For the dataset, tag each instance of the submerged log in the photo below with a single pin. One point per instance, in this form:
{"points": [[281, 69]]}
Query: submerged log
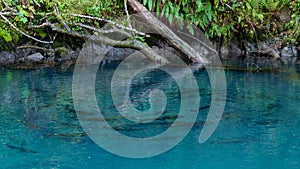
{"points": [[168, 34]]}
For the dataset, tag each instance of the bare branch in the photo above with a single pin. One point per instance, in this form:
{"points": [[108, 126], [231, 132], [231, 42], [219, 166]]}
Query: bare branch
{"points": [[40, 26], [7, 13], [35, 47], [4, 13], [93, 28], [23, 33], [127, 14], [58, 16], [60, 30], [111, 22]]}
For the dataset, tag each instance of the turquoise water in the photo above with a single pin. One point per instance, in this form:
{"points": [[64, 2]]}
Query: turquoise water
{"points": [[259, 128]]}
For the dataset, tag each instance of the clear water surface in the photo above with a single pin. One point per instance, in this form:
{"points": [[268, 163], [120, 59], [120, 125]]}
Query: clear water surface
{"points": [[260, 127]]}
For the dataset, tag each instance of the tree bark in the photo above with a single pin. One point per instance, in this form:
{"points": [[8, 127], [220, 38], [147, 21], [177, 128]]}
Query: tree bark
{"points": [[168, 34]]}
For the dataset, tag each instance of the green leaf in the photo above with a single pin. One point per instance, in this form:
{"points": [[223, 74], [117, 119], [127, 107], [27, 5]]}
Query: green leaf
{"points": [[260, 16], [158, 7], [145, 2], [24, 20], [31, 8], [163, 10], [216, 2], [6, 35], [167, 11], [248, 6], [172, 9], [150, 5], [186, 9]]}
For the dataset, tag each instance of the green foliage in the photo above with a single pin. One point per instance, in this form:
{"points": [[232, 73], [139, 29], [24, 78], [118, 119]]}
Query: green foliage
{"points": [[199, 13], [39, 11], [294, 24], [222, 19], [5, 34], [229, 18]]}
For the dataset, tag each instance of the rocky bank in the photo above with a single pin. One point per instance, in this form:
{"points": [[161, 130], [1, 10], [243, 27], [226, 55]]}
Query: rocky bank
{"points": [[269, 54]]}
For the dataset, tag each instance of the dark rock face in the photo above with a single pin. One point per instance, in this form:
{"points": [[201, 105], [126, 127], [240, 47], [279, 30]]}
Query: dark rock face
{"points": [[7, 58], [118, 54], [230, 51], [94, 53], [289, 55], [268, 53]]}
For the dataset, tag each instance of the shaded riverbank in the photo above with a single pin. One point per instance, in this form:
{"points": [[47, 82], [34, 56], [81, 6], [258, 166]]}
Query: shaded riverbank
{"points": [[234, 54]]}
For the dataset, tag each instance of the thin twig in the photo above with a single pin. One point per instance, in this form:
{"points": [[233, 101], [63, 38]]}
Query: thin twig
{"points": [[45, 17], [23, 33], [36, 3], [94, 29], [223, 3]]}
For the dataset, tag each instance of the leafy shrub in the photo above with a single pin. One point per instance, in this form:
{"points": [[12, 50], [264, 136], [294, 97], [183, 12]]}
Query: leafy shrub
{"points": [[39, 11], [229, 18]]}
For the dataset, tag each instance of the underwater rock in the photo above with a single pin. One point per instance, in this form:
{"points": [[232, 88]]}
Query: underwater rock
{"points": [[21, 149]]}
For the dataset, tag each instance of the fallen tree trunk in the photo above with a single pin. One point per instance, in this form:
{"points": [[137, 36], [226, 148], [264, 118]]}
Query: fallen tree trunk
{"points": [[168, 34]]}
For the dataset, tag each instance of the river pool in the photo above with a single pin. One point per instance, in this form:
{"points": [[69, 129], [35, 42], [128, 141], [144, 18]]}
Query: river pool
{"points": [[260, 126]]}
